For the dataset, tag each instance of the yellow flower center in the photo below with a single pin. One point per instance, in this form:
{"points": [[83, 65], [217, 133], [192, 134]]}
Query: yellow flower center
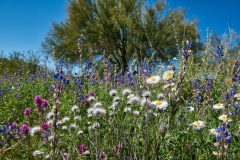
{"points": [[198, 123], [158, 103], [169, 75], [153, 79], [219, 105], [224, 117]]}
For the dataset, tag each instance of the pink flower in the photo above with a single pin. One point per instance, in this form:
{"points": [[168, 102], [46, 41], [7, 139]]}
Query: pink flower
{"points": [[25, 128], [27, 111]]}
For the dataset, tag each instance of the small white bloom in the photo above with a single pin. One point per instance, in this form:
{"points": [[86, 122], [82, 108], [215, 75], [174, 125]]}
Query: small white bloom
{"points": [[80, 132], [72, 127], [89, 115], [223, 117], [145, 102], [116, 99], [87, 152], [160, 96], [65, 119], [159, 105], [50, 122], [97, 104], [91, 98], [35, 130], [64, 128], [134, 100], [50, 138], [113, 92], [136, 113], [168, 75], [76, 118], [126, 92], [213, 131], [198, 125], [95, 125], [99, 112], [130, 96], [153, 80], [74, 108], [146, 94], [50, 115], [127, 110], [37, 153], [218, 106], [90, 110], [189, 109], [59, 123]]}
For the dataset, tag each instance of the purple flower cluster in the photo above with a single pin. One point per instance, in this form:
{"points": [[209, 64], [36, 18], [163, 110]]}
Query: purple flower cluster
{"points": [[25, 129], [82, 148], [45, 126], [223, 135], [40, 103], [27, 112]]}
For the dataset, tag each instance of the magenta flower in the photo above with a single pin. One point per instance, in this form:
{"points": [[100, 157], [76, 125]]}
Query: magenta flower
{"points": [[38, 101], [44, 103], [25, 129], [27, 111], [91, 94], [45, 126], [82, 148]]}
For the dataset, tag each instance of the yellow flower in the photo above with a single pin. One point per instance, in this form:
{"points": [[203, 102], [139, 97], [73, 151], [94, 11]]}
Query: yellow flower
{"points": [[168, 75]]}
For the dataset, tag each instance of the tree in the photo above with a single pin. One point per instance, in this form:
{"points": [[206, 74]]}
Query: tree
{"points": [[120, 30]]}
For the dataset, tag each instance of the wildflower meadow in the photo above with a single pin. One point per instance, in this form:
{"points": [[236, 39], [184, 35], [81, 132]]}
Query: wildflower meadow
{"points": [[187, 108]]}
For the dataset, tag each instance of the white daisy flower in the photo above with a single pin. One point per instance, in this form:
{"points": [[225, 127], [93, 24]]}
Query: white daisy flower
{"points": [[153, 80], [213, 131], [145, 102], [90, 110], [95, 125], [189, 109], [130, 96], [223, 117], [136, 113], [168, 75], [113, 92], [76, 118], [72, 127], [64, 128], [160, 96], [91, 98], [50, 122], [134, 100], [59, 123], [126, 92], [198, 125], [116, 99], [159, 105], [218, 106], [80, 132], [74, 108]]}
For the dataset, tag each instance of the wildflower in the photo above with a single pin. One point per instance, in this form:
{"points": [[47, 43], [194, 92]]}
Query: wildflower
{"points": [[97, 104], [80, 132], [65, 119], [90, 110], [44, 103], [189, 109], [76, 118], [160, 96], [64, 128], [168, 75], [50, 115], [136, 113], [50, 122], [72, 127], [38, 101], [102, 155], [223, 117], [113, 93], [37, 153], [198, 125], [35, 130], [127, 110], [82, 148], [159, 105], [116, 99], [25, 129], [145, 102], [96, 125], [153, 80], [134, 100], [91, 94], [99, 111], [213, 131], [229, 139], [74, 108], [27, 111], [130, 96], [91, 98], [126, 92], [45, 126], [218, 106], [146, 94], [59, 123]]}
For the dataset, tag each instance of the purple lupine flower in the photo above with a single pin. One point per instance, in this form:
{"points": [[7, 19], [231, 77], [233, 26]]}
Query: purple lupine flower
{"points": [[38, 101], [13, 126], [229, 139], [44, 103], [25, 129], [27, 111], [82, 148], [45, 126]]}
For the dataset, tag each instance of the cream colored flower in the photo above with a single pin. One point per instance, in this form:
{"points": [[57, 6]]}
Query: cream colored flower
{"points": [[159, 105], [223, 117], [198, 125], [189, 109], [218, 106], [168, 75], [153, 80], [213, 131]]}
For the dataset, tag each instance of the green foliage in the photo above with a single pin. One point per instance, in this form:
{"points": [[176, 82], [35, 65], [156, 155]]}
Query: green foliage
{"points": [[121, 30]]}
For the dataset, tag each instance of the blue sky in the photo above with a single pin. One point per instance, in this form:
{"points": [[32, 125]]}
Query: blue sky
{"points": [[25, 23]]}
